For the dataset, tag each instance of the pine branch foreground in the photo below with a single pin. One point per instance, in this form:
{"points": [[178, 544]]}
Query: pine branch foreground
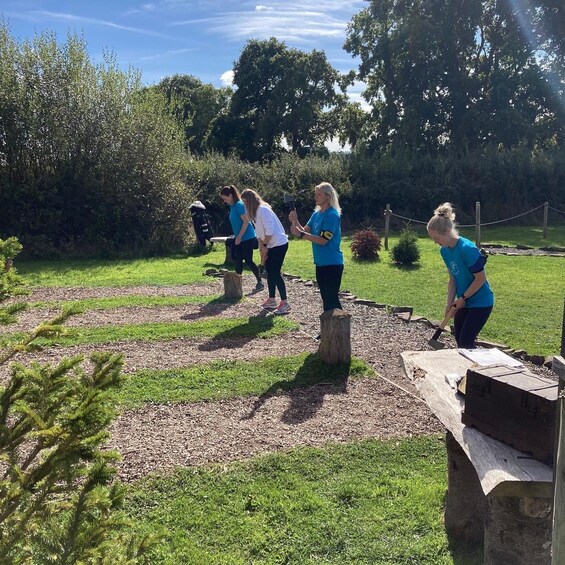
{"points": [[59, 502]]}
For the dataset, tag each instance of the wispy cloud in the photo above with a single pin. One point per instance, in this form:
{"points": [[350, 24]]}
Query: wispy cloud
{"points": [[304, 22], [165, 54], [72, 18]]}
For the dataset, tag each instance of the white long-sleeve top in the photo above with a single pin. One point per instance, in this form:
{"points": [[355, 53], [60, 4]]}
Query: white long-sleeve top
{"points": [[267, 223]]}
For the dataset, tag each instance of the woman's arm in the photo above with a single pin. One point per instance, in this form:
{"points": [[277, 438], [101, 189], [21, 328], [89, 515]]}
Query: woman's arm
{"points": [[245, 220], [478, 281]]}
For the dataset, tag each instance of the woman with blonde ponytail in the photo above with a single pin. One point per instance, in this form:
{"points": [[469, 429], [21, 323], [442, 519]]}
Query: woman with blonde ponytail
{"points": [[468, 291]]}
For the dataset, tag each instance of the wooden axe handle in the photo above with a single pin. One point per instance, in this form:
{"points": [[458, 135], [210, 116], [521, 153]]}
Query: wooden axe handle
{"points": [[448, 316]]}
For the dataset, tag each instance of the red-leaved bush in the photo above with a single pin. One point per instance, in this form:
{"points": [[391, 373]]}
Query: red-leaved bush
{"points": [[366, 244]]}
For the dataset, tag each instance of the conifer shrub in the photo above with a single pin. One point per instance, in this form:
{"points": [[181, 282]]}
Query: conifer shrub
{"points": [[59, 502], [406, 250], [366, 244]]}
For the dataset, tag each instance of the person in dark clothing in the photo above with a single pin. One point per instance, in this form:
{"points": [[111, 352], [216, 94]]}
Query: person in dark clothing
{"points": [[201, 222]]}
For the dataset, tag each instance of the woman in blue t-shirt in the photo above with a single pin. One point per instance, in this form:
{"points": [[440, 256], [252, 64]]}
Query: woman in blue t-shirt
{"points": [[468, 291], [324, 231], [245, 237]]}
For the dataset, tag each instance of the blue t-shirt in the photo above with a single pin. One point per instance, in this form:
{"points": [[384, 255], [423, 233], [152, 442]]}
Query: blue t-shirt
{"points": [[462, 261], [236, 211], [326, 224]]}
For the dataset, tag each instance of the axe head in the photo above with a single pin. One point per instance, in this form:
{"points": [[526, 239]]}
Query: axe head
{"points": [[434, 344]]}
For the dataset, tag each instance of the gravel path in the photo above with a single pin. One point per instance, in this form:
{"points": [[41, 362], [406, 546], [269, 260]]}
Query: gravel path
{"points": [[160, 437]]}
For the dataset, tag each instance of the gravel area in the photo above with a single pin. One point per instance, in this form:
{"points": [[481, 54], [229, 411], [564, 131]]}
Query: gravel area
{"points": [[160, 437]]}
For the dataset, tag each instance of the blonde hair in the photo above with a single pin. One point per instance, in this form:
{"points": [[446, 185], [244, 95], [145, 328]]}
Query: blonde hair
{"points": [[252, 201], [443, 220], [330, 191]]}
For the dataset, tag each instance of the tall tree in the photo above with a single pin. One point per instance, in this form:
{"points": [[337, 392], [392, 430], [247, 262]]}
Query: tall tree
{"points": [[459, 73], [196, 106], [282, 93]]}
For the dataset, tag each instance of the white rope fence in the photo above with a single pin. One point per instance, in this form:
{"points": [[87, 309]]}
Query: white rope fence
{"points": [[478, 224]]}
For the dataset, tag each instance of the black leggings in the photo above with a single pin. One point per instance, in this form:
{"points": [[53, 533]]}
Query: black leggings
{"points": [[244, 252], [273, 266], [468, 323], [329, 281]]}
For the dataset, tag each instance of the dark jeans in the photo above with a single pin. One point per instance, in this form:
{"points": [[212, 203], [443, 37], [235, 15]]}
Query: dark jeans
{"points": [[468, 323], [273, 266], [244, 252], [329, 281]]}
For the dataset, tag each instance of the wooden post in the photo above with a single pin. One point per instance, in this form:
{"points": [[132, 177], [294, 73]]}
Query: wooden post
{"points": [[558, 540], [387, 225], [563, 333], [465, 501], [545, 214], [335, 337], [517, 531], [233, 287], [478, 224]]}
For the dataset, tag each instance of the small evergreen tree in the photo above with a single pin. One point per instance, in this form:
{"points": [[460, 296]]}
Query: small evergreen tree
{"points": [[406, 250], [57, 500]]}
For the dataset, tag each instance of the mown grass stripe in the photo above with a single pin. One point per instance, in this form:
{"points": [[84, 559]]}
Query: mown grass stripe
{"points": [[224, 379], [219, 329], [112, 302]]}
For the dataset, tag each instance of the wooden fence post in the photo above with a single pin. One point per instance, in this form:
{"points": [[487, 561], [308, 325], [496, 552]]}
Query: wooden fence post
{"points": [[335, 337], [387, 225], [545, 214], [478, 224], [558, 536]]}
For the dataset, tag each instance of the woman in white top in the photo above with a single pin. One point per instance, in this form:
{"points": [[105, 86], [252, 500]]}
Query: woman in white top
{"points": [[273, 245]]}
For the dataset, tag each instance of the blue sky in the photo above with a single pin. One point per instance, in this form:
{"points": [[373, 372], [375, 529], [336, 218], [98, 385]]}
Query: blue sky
{"points": [[198, 37]]}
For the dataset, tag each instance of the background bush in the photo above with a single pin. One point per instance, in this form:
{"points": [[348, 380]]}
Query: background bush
{"points": [[406, 250], [366, 244]]}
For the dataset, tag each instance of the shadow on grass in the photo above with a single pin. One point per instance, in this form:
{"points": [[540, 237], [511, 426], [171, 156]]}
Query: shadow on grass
{"points": [[238, 336], [312, 382], [211, 308]]}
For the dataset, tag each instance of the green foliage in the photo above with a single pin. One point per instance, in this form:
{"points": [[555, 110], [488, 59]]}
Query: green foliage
{"points": [[458, 74], [406, 251], [196, 106], [57, 500], [88, 162], [365, 244], [281, 92]]}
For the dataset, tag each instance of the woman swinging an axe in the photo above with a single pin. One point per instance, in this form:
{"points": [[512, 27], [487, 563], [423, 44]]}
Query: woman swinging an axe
{"points": [[469, 296]]}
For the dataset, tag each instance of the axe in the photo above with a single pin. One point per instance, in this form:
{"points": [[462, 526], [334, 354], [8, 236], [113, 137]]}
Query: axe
{"points": [[434, 341]]}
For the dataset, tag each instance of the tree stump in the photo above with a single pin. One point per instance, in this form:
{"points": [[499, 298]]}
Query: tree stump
{"points": [[517, 531], [232, 285], [465, 501], [335, 337]]}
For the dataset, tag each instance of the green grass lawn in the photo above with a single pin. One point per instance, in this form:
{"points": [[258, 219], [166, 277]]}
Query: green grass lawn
{"points": [[367, 502], [529, 291], [229, 379]]}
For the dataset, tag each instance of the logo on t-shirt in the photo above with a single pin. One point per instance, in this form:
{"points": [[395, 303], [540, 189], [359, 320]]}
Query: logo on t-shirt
{"points": [[454, 268]]}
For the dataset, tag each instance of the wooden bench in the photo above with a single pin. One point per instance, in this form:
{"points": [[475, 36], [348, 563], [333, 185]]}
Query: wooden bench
{"points": [[496, 494]]}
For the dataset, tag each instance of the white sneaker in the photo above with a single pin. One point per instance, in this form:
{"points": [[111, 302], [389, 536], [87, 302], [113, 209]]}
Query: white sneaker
{"points": [[282, 308], [269, 304]]}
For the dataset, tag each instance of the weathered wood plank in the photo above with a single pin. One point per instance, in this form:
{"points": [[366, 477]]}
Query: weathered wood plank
{"points": [[502, 470], [558, 554]]}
